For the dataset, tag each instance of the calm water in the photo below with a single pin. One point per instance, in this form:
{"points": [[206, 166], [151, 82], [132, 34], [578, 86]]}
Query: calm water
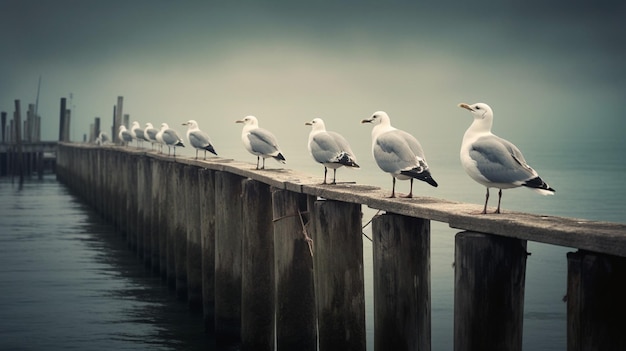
{"points": [[68, 281]]}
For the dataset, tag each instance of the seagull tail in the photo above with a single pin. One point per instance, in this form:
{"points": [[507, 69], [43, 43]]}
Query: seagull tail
{"points": [[179, 143], [423, 176], [537, 184], [280, 158], [345, 159], [210, 149]]}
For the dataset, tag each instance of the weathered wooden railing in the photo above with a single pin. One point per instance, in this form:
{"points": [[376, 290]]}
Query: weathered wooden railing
{"points": [[232, 239]]}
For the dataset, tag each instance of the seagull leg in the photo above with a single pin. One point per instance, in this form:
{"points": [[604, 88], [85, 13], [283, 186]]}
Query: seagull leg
{"points": [[499, 199], [411, 192], [205, 154], [325, 173], [257, 162], [334, 176], [393, 188], [263, 167], [486, 200]]}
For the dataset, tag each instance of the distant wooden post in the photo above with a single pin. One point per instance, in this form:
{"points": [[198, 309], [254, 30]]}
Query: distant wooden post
{"points": [[295, 297], [96, 127], [118, 110], [228, 260], [595, 301], [62, 116], [3, 122], [18, 143], [66, 126], [206, 189], [336, 231], [402, 301], [194, 239], [488, 292], [258, 288]]}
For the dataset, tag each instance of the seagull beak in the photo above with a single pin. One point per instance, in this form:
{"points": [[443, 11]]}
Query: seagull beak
{"points": [[308, 124], [466, 106], [366, 121], [239, 121]]}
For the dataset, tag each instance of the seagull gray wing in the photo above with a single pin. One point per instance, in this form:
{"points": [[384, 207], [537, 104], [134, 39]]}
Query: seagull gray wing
{"points": [[500, 161], [262, 141], [393, 153], [139, 133], [127, 136], [325, 148], [199, 139], [170, 136], [152, 132]]}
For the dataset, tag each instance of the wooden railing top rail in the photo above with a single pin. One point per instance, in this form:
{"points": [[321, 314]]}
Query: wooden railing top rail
{"points": [[597, 236]]}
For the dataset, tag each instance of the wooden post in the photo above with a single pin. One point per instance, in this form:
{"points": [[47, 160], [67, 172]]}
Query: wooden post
{"points": [[207, 227], [141, 183], [171, 201], [66, 126], [489, 292], [402, 303], [194, 239], [3, 123], [595, 301], [336, 233], [18, 143], [164, 215], [155, 210], [228, 234], [117, 122], [62, 119], [180, 234], [258, 289], [295, 297]]}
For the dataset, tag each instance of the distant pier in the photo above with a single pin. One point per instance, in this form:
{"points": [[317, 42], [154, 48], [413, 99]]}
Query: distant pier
{"points": [[275, 260]]}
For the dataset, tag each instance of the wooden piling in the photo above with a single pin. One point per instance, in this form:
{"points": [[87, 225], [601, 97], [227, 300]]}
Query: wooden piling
{"points": [[206, 188], [18, 143], [155, 210], [62, 119], [180, 234], [295, 298], [595, 301], [336, 232], [171, 201], [488, 292], [402, 303], [228, 259], [258, 289], [194, 239]]}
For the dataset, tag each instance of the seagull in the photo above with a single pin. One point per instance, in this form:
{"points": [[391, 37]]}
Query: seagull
{"points": [[137, 132], [124, 135], [198, 139], [169, 137], [259, 141], [102, 139], [329, 148], [493, 161], [398, 152], [150, 133]]}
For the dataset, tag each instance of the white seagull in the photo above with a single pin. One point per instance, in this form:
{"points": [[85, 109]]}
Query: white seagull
{"points": [[198, 139], [137, 133], [150, 133], [398, 152], [124, 135], [259, 141], [493, 161], [329, 148], [169, 137]]}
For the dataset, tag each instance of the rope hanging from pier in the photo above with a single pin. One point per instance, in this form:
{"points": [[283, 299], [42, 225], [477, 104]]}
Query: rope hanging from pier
{"points": [[307, 238]]}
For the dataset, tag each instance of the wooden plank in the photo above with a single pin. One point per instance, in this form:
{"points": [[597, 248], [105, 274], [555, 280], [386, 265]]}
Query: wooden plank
{"points": [[206, 190], [402, 303], [295, 309], [228, 260], [336, 231], [180, 230], [258, 288], [488, 292], [194, 239]]}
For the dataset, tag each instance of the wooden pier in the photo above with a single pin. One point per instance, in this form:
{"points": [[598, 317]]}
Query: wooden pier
{"points": [[275, 260]]}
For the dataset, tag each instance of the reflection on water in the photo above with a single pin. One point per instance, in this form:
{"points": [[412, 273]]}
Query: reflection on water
{"points": [[68, 281]]}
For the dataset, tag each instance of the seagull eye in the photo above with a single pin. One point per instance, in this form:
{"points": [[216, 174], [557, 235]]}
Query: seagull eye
{"points": [[478, 107]]}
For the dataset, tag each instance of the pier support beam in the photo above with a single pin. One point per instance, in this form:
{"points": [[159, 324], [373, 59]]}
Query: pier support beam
{"points": [[206, 186], [295, 298], [402, 303], [489, 292], [258, 289], [228, 236], [338, 258], [194, 240], [595, 302], [180, 233]]}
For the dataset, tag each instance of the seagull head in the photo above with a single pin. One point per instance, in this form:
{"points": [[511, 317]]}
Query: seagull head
{"points": [[479, 110], [149, 125], [135, 124], [122, 127], [191, 124], [249, 121], [164, 126], [379, 117], [316, 124]]}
